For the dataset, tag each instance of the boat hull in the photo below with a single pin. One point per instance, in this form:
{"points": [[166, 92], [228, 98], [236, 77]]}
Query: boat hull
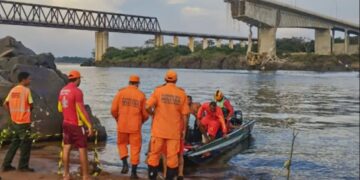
{"points": [[219, 146]]}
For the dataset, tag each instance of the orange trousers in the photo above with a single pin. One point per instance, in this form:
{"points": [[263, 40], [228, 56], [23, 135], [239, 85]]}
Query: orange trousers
{"points": [[134, 139], [156, 149]]}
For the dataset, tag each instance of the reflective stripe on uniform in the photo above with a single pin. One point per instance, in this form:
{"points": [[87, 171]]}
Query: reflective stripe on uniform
{"points": [[19, 100], [21, 109]]}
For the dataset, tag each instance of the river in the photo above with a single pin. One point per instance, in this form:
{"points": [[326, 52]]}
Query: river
{"points": [[323, 106]]}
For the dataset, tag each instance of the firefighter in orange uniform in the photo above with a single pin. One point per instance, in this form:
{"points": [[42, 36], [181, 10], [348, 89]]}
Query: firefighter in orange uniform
{"points": [[19, 104], [168, 104], [211, 118], [128, 109]]}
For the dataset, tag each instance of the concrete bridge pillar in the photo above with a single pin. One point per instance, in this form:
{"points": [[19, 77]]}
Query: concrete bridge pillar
{"points": [[191, 44], [218, 43], [231, 44], [332, 45], [323, 42], [346, 42], [176, 41], [159, 40], [205, 43], [267, 40], [101, 44], [354, 47]]}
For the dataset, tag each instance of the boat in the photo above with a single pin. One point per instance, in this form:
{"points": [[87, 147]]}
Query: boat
{"points": [[197, 153]]}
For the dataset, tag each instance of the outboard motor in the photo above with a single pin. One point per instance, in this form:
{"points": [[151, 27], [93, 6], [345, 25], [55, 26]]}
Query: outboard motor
{"points": [[237, 119]]}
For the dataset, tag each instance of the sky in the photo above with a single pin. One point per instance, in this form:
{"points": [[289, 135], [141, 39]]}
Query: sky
{"points": [[200, 16]]}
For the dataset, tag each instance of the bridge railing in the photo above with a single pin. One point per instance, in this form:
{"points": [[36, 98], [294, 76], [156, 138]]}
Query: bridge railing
{"points": [[71, 18]]}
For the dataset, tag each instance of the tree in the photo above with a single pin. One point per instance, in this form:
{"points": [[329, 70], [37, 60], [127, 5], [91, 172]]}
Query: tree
{"points": [[93, 53]]}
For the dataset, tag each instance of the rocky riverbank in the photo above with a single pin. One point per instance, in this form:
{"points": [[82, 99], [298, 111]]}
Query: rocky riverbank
{"points": [[223, 58], [47, 82]]}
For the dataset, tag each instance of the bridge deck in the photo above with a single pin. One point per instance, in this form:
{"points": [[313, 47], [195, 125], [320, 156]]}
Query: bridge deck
{"points": [[312, 14]]}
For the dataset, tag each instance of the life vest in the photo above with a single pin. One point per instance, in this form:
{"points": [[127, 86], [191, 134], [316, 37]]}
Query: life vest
{"points": [[221, 103], [19, 100]]}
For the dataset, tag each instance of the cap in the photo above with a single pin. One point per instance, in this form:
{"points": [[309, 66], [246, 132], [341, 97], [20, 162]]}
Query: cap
{"points": [[74, 74], [171, 76], [134, 78]]}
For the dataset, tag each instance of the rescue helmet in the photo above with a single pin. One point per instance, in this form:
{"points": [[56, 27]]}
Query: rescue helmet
{"points": [[218, 95]]}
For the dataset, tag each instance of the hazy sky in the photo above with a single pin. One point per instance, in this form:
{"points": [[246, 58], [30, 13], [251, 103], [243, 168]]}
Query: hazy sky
{"points": [[204, 16]]}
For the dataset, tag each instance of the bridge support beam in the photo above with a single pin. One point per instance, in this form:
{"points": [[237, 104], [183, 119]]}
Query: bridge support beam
{"points": [[205, 43], [191, 44], [354, 46], [346, 42], [323, 42], [176, 41], [101, 44], [159, 40], [231, 44], [267, 40], [218, 43]]}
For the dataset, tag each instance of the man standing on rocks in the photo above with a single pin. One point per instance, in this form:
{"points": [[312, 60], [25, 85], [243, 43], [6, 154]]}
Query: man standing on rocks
{"points": [[71, 104], [128, 109], [19, 104], [168, 104]]}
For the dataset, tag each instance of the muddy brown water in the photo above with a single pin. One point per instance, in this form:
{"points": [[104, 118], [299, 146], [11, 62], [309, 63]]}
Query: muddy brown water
{"points": [[324, 106]]}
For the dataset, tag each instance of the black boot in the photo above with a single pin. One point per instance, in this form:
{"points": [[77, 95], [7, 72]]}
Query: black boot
{"points": [[171, 173], [134, 172], [152, 172], [125, 168]]}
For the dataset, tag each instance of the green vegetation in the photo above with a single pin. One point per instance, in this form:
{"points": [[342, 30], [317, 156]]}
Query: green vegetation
{"points": [[294, 45], [297, 53], [147, 54], [167, 52]]}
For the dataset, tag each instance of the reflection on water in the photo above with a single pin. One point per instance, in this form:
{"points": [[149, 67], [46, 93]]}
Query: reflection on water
{"points": [[324, 106]]}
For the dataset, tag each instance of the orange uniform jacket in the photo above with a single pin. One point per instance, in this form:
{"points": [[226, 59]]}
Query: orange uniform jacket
{"points": [[170, 104], [128, 107], [215, 116], [19, 101]]}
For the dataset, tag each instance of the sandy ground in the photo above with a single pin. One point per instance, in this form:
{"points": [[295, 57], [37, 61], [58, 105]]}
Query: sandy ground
{"points": [[44, 158]]}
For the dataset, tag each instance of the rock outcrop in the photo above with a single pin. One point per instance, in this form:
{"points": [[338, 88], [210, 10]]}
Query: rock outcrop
{"points": [[46, 84]]}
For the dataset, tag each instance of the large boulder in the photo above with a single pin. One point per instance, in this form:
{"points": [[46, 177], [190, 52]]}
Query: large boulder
{"points": [[46, 84], [9, 47]]}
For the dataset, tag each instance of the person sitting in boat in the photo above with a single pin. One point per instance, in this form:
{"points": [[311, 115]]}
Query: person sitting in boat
{"points": [[226, 107], [211, 118]]}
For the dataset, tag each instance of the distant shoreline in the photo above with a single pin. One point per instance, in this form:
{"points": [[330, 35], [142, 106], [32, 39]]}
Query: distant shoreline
{"points": [[168, 56], [272, 67], [345, 63]]}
